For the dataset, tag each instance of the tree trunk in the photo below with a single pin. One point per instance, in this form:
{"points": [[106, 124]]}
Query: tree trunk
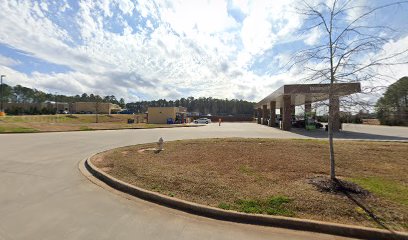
{"points": [[331, 102], [331, 147]]}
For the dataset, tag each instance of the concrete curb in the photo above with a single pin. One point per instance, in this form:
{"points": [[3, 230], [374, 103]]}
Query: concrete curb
{"points": [[256, 219]]}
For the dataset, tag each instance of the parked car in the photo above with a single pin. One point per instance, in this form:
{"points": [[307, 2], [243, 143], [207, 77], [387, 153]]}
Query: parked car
{"points": [[126, 111], [278, 119], [202, 121], [302, 124], [299, 124]]}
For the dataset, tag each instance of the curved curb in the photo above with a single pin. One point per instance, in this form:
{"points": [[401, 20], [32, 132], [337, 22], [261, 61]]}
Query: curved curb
{"points": [[255, 219]]}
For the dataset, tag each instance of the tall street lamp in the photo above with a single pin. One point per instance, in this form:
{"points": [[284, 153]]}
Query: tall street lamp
{"points": [[56, 103], [1, 87]]}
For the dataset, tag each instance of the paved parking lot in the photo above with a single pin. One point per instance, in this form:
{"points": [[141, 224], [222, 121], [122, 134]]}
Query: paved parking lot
{"points": [[44, 196], [350, 131]]}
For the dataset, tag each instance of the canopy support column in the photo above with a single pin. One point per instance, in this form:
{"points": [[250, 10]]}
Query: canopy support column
{"points": [[287, 113], [272, 105], [265, 114], [259, 113]]}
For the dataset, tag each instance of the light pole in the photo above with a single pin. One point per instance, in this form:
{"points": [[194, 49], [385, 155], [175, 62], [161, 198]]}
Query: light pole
{"points": [[56, 103], [1, 86], [56, 107], [96, 110]]}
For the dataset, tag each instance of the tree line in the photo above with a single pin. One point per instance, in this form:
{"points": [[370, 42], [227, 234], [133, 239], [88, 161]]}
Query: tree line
{"points": [[200, 105], [392, 108], [21, 94]]}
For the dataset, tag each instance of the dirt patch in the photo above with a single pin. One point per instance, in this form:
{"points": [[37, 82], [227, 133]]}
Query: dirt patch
{"points": [[337, 186], [147, 150], [106, 169], [273, 176]]}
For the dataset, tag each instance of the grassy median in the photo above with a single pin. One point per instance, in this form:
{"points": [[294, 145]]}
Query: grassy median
{"points": [[267, 176]]}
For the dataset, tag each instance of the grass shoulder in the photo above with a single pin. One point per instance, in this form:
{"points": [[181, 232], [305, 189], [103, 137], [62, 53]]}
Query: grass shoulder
{"points": [[73, 122]]}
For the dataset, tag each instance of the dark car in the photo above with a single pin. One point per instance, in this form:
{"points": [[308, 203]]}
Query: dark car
{"points": [[299, 124], [302, 124], [318, 125], [126, 112]]}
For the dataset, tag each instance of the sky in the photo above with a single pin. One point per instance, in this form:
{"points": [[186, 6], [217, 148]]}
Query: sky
{"points": [[145, 50]]}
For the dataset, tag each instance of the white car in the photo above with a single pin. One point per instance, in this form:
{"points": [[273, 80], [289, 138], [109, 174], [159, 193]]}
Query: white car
{"points": [[202, 121]]}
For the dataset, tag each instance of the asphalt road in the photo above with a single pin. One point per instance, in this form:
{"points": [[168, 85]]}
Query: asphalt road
{"points": [[44, 196]]}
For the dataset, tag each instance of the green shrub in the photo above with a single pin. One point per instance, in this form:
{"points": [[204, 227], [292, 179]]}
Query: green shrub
{"points": [[275, 205]]}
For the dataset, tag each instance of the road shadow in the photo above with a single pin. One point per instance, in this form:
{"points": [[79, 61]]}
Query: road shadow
{"points": [[321, 133]]}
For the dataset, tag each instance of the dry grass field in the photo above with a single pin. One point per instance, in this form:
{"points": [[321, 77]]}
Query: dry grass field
{"points": [[269, 176], [74, 122]]}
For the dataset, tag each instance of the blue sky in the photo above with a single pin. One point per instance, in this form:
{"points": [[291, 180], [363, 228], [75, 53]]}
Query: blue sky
{"points": [[143, 50]]}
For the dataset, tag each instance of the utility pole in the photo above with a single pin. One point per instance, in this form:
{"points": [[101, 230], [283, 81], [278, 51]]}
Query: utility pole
{"points": [[1, 86], [96, 110], [1, 101], [56, 108], [56, 103]]}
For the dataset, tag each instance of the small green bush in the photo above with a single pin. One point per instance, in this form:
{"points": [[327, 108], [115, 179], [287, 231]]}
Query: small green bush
{"points": [[275, 205]]}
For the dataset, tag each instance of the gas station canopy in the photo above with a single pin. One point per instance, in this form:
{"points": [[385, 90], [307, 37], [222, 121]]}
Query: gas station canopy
{"points": [[308, 93]]}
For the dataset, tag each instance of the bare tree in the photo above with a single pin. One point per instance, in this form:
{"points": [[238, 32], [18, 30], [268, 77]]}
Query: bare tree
{"points": [[351, 49]]}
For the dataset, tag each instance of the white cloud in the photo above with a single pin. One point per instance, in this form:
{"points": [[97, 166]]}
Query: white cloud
{"points": [[146, 8], [391, 73], [266, 24], [164, 49], [257, 34], [64, 6], [313, 37], [126, 6], [205, 16], [44, 6], [357, 8], [105, 6], [8, 61]]}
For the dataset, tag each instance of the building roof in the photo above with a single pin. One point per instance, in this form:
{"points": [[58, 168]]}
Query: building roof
{"points": [[301, 93]]}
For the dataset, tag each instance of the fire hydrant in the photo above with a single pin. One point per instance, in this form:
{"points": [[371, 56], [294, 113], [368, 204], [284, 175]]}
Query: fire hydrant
{"points": [[160, 144]]}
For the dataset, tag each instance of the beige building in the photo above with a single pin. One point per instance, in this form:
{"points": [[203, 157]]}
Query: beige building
{"points": [[93, 107], [161, 115], [25, 107]]}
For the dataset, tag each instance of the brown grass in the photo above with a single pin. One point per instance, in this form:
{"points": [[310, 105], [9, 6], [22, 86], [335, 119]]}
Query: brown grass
{"points": [[231, 173], [75, 122], [371, 121]]}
